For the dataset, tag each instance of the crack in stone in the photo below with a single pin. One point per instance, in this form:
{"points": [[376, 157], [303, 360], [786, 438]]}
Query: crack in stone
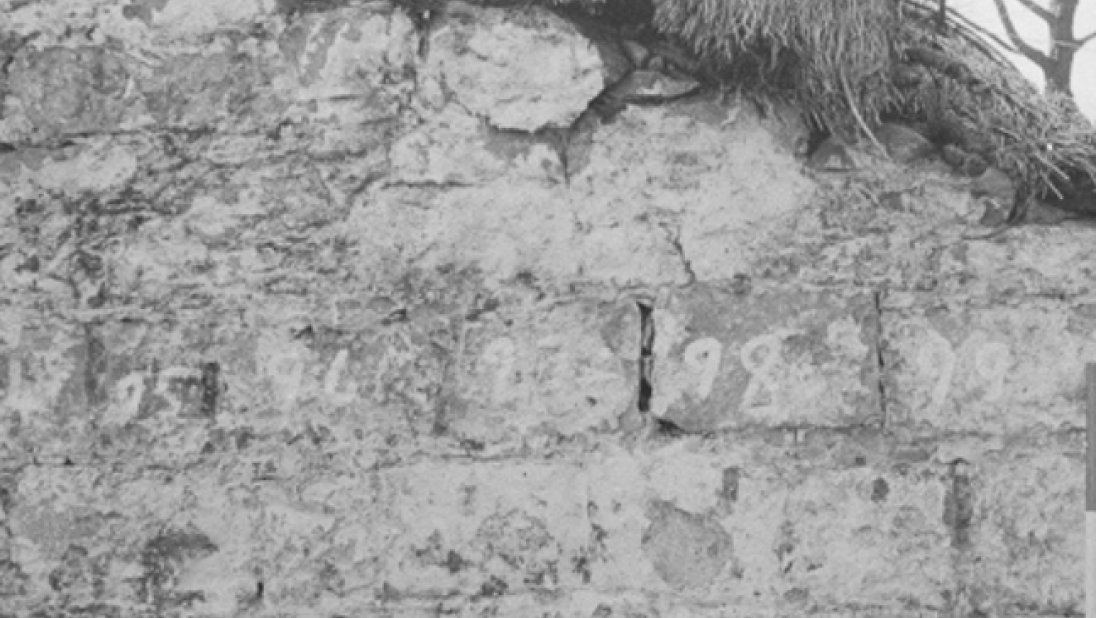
{"points": [[646, 356], [880, 361], [673, 236]]}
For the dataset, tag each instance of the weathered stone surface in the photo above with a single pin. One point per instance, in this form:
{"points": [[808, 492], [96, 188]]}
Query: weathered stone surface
{"points": [[456, 149], [375, 379], [337, 75], [350, 66], [62, 90], [1029, 521], [515, 227], [145, 542], [322, 310], [1027, 261], [847, 534], [193, 17], [765, 356], [891, 231], [687, 551], [996, 369], [545, 370], [464, 528], [684, 174], [196, 91], [488, 64], [237, 533]]}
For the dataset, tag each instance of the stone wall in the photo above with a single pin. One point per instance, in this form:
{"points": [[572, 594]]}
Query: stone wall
{"points": [[346, 309]]}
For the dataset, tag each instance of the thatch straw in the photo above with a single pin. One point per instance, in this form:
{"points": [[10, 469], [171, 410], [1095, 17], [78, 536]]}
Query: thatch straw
{"points": [[847, 63]]}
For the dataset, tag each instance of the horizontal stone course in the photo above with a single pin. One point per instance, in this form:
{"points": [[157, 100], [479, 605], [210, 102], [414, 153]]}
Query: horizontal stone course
{"points": [[688, 518]]}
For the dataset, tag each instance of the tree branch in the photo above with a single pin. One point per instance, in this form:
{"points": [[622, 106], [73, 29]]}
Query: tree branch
{"points": [[1027, 50], [1085, 39], [1041, 11], [964, 22]]}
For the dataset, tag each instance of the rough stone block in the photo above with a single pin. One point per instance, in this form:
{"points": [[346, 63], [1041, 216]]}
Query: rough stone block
{"points": [[349, 67], [455, 148], [1034, 261], [866, 537], [74, 393], [1028, 536], [989, 369], [188, 18], [698, 173], [373, 377], [88, 540], [804, 530], [765, 356], [668, 526], [524, 70], [70, 90], [515, 228], [890, 230], [561, 368], [487, 529]]}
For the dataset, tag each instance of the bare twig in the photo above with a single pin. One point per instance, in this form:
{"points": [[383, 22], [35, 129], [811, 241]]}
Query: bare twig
{"points": [[1026, 49]]}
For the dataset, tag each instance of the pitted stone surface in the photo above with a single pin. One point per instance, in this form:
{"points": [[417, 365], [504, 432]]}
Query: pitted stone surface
{"points": [[770, 356], [333, 309], [687, 551], [486, 66], [991, 369]]}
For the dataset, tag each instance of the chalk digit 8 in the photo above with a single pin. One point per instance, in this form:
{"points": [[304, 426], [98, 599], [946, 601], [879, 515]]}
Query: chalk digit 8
{"points": [[760, 370]]}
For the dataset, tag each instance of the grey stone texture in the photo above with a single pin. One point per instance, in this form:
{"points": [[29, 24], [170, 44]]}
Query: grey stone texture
{"points": [[355, 309]]}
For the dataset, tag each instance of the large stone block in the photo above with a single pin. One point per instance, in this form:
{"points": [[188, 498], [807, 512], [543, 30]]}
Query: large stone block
{"points": [[1028, 537], [87, 540], [716, 181], [955, 367], [563, 368], [70, 90], [516, 228], [524, 70], [728, 358], [753, 523], [1034, 261]]}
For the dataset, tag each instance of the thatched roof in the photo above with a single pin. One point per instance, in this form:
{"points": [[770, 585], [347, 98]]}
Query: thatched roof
{"points": [[850, 63]]}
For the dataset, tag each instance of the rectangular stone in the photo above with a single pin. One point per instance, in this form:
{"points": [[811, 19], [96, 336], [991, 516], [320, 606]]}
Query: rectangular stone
{"points": [[489, 529], [731, 358], [1027, 547], [805, 529], [546, 370], [994, 369], [125, 389], [136, 540], [1029, 260], [223, 538]]}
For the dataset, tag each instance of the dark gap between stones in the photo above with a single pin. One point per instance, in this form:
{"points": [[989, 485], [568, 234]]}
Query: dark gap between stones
{"points": [[880, 359], [646, 359]]}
